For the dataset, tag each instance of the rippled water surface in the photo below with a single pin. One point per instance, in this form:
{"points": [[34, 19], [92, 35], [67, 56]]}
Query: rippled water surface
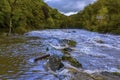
{"points": [[93, 50]]}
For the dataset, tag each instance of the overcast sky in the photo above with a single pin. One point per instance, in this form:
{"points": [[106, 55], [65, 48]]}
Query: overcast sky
{"points": [[68, 7]]}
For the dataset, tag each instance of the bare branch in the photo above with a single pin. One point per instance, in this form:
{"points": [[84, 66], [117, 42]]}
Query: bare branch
{"points": [[41, 57]]}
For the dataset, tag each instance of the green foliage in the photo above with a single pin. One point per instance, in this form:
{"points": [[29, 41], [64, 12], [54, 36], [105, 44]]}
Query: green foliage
{"points": [[101, 16], [4, 10], [19, 16], [20, 30]]}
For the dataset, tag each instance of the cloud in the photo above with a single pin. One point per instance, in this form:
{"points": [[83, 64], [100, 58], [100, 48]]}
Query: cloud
{"points": [[68, 6], [51, 0], [69, 13]]}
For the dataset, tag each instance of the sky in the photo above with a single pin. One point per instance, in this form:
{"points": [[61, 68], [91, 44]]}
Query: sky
{"points": [[68, 7]]}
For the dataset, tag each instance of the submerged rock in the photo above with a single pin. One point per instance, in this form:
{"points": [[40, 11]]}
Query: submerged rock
{"points": [[72, 61], [68, 49], [116, 73], [55, 62], [106, 76], [95, 76], [68, 42], [100, 41], [72, 43], [82, 76]]}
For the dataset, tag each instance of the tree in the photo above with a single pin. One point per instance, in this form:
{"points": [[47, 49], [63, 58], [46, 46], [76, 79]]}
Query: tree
{"points": [[12, 6], [20, 16], [104, 18]]}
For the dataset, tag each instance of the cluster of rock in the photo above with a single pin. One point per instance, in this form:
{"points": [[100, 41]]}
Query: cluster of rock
{"points": [[70, 68]]}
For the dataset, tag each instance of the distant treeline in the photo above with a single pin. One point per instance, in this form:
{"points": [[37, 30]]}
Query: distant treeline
{"points": [[102, 16], [20, 16]]}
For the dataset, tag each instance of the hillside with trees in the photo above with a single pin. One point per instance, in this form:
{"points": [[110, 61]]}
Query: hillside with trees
{"points": [[102, 16], [19, 16]]}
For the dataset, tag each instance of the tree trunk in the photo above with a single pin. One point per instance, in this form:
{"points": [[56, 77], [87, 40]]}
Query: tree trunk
{"points": [[10, 26], [12, 5]]}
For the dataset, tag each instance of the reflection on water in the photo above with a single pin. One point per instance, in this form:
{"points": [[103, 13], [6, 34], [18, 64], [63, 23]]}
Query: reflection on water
{"points": [[15, 53], [11, 66]]}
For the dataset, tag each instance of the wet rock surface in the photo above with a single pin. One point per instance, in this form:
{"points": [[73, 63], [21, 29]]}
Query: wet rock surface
{"points": [[106, 76], [95, 76], [55, 62]]}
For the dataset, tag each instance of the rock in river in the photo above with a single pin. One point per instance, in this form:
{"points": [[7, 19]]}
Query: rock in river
{"points": [[55, 62]]}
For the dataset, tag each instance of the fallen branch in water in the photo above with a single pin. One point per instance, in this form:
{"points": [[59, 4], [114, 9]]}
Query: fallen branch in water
{"points": [[41, 57]]}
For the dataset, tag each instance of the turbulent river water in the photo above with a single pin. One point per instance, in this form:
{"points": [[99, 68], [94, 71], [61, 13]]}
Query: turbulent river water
{"points": [[96, 52]]}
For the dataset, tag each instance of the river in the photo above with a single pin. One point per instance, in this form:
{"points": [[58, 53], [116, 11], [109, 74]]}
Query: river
{"points": [[96, 52]]}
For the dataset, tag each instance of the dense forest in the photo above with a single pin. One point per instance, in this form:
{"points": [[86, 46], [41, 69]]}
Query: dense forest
{"points": [[102, 16], [20, 16]]}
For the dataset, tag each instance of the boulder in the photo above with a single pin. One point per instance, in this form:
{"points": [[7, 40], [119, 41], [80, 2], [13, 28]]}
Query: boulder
{"points": [[72, 61], [55, 62]]}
